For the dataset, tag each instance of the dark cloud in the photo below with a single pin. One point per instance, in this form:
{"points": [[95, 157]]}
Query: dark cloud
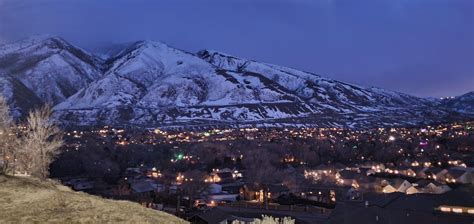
{"points": [[422, 47]]}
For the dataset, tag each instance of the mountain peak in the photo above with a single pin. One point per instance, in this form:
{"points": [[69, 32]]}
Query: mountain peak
{"points": [[153, 57], [211, 53], [43, 37], [39, 38], [48, 42], [44, 69], [147, 44], [34, 41]]}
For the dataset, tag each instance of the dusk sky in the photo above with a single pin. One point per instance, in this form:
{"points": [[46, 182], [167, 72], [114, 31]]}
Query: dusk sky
{"points": [[420, 47]]}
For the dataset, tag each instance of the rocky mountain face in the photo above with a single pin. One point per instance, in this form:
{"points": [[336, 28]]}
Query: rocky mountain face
{"points": [[315, 89], [462, 104], [152, 84], [43, 70]]}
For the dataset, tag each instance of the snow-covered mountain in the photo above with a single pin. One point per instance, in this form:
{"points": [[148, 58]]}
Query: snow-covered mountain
{"points": [[315, 89], [461, 104], [152, 84], [44, 69]]}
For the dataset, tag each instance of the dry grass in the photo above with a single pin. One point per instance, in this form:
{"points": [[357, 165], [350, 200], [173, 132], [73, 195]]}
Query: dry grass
{"points": [[28, 200]]}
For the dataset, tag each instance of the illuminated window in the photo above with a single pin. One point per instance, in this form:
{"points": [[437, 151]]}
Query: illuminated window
{"points": [[445, 209], [457, 210]]}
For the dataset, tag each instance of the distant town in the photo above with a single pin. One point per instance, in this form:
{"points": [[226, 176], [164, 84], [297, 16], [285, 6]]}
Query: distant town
{"points": [[308, 174]]}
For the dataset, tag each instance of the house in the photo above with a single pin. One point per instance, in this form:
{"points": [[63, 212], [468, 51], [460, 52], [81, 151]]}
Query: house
{"points": [[425, 162], [452, 207], [431, 187], [212, 216], [315, 195], [353, 194], [409, 162], [366, 171], [225, 175], [153, 173], [347, 178], [435, 173], [252, 192], [412, 190], [217, 216], [420, 172], [461, 176], [233, 188], [322, 169], [373, 165], [369, 182], [458, 163], [392, 170], [214, 188], [371, 172], [407, 171], [223, 196], [337, 167], [142, 188], [139, 188], [262, 192], [396, 185], [371, 168], [214, 193], [276, 190], [458, 202]]}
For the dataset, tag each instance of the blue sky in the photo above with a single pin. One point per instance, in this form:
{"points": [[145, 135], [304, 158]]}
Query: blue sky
{"points": [[420, 47]]}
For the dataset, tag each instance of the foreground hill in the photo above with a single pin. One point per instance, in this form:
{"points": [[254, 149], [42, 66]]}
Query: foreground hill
{"points": [[27, 200]]}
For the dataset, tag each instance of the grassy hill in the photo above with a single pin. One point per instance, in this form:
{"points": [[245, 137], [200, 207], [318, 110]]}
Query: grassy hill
{"points": [[28, 200]]}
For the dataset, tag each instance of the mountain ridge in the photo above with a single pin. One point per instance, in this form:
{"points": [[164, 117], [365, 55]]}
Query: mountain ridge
{"points": [[150, 83], [49, 68]]}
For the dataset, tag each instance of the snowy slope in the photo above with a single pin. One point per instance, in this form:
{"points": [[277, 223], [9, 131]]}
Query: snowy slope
{"points": [[314, 88], [152, 82], [149, 83], [46, 69], [461, 104]]}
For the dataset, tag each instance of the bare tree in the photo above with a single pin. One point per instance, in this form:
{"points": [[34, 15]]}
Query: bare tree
{"points": [[41, 142], [8, 138]]}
